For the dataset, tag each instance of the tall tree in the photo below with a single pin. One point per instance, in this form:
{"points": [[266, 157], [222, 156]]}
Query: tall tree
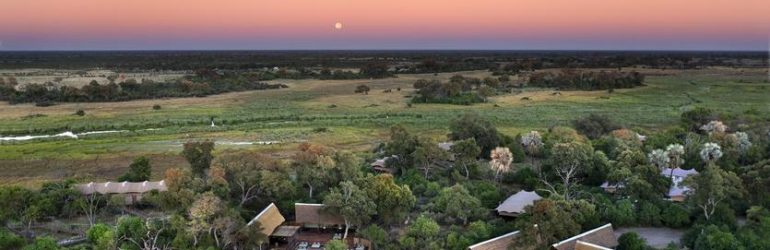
{"points": [[428, 155], [471, 125], [350, 202], [198, 154], [712, 187], [465, 153], [393, 201], [569, 160]]}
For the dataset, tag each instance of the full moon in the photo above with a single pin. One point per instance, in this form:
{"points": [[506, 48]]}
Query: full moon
{"points": [[338, 25]]}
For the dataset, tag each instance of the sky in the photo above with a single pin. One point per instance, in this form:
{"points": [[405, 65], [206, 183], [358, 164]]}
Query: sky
{"points": [[385, 24]]}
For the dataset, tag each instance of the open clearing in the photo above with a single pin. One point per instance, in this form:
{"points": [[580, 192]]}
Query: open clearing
{"points": [[353, 121]]}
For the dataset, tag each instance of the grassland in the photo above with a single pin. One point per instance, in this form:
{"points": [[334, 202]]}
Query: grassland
{"points": [[354, 121]]}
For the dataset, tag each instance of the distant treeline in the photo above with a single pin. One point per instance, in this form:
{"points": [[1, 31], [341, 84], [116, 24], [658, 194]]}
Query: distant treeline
{"points": [[503, 62], [204, 83], [583, 80]]}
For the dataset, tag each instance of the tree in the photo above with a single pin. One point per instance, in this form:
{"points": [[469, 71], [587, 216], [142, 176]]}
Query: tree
{"points": [[465, 153], [363, 89], [713, 238], [532, 142], [401, 144], [675, 153], [421, 234], [711, 152], [198, 154], [242, 173], [428, 155], [713, 186], [350, 202], [393, 201], [631, 241], [139, 170], [569, 160], [91, 205], [545, 223], [375, 234], [457, 202], [313, 164], [501, 161], [471, 125], [659, 158], [202, 214]]}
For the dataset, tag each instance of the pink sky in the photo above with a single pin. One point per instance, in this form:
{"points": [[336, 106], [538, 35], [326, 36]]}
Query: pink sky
{"points": [[385, 24]]}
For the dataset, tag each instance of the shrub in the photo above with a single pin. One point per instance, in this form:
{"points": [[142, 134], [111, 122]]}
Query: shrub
{"points": [[649, 214], [156, 107], [80, 112], [9, 240], [675, 216], [631, 241]]}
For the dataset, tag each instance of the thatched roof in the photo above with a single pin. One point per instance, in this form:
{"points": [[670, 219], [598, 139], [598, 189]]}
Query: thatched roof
{"points": [[270, 218], [498, 243], [121, 187], [312, 214], [588, 246], [515, 203], [602, 236]]}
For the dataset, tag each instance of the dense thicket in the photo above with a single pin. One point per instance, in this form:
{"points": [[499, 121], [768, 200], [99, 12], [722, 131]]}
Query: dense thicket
{"points": [[586, 80]]}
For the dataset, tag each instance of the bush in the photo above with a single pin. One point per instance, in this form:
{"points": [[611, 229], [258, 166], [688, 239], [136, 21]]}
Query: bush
{"points": [[675, 216], [9, 240], [526, 177], [156, 107], [80, 112], [631, 241], [649, 214]]}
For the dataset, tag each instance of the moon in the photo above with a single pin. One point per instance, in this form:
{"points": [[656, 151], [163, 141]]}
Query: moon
{"points": [[338, 26]]}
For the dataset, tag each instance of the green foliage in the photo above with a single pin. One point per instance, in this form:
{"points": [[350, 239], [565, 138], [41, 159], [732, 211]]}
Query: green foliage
{"points": [[465, 153], [527, 178], [649, 214], [102, 237], [43, 243], [139, 170], [713, 186], [335, 245], [421, 234], [377, 235], [471, 125], [198, 154], [713, 238], [631, 241], [675, 216], [9, 240], [594, 125], [457, 202], [554, 223], [350, 202], [693, 119], [393, 202]]}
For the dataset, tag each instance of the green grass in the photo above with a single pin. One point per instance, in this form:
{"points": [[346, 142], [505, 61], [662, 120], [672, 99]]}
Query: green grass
{"points": [[360, 121]]}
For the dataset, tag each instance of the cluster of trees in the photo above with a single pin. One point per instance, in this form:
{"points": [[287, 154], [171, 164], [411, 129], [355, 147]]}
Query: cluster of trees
{"points": [[582, 80], [460, 90], [203, 83]]}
